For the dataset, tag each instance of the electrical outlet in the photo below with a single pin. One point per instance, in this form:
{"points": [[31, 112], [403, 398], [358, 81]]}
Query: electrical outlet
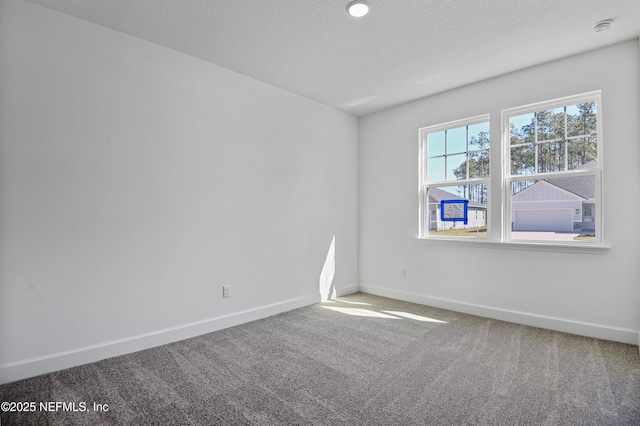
{"points": [[226, 291], [403, 273]]}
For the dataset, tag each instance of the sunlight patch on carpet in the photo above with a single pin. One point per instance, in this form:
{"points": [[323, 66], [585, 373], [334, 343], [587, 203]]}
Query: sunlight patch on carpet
{"points": [[359, 312], [414, 317]]}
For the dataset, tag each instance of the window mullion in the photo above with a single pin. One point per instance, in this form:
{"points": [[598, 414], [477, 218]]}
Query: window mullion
{"points": [[446, 153], [535, 142], [467, 149], [566, 143]]}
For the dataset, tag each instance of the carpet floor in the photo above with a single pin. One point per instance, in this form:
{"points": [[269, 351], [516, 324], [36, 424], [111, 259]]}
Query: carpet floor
{"points": [[357, 360]]}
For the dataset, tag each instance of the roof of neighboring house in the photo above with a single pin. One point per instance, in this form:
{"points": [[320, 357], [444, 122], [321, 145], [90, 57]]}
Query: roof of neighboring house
{"points": [[584, 186], [436, 195], [539, 191]]}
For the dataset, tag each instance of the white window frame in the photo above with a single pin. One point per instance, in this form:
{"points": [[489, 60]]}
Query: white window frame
{"points": [[424, 184], [507, 178], [499, 209]]}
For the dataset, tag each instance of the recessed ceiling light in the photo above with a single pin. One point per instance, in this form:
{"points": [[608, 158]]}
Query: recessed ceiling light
{"points": [[602, 25], [358, 8]]}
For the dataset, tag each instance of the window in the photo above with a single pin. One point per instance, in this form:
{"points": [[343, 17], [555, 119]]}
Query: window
{"points": [[548, 188], [454, 171], [553, 170]]}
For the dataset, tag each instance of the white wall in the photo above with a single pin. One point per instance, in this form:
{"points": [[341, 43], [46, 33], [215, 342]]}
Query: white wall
{"points": [[591, 294], [135, 181]]}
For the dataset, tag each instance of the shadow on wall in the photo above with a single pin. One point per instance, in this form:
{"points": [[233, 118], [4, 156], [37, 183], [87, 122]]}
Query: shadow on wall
{"points": [[326, 286]]}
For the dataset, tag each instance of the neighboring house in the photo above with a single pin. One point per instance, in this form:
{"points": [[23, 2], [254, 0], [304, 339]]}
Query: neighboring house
{"points": [[558, 205], [477, 213]]}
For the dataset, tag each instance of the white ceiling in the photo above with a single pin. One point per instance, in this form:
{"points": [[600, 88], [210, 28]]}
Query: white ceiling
{"points": [[403, 50]]}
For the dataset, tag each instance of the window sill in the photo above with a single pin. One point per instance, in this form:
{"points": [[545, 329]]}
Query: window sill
{"points": [[567, 247]]}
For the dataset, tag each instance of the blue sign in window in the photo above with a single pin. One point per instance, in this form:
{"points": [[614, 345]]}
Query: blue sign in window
{"points": [[454, 211]]}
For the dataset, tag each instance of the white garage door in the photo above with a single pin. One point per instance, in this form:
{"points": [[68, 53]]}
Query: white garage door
{"points": [[557, 220]]}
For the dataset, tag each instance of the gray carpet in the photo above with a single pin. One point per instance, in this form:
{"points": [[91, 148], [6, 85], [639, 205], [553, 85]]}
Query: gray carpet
{"points": [[360, 360]]}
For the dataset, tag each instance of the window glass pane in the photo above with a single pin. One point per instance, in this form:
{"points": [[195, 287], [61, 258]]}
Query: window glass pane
{"points": [[550, 124], [448, 193], [476, 226], [558, 209], [551, 157], [522, 160], [479, 164], [457, 140], [435, 144], [581, 119], [479, 136], [521, 129], [582, 152], [457, 167], [435, 169], [567, 151], [519, 185]]}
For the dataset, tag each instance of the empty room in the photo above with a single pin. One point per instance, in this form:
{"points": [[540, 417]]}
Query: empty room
{"points": [[319, 212]]}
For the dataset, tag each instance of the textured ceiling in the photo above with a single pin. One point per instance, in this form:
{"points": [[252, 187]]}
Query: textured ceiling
{"points": [[403, 50]]}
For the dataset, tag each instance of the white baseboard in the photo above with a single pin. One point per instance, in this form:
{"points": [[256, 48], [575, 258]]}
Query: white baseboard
{"points": [[345, 290], [59, 361], [616, 334]]}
